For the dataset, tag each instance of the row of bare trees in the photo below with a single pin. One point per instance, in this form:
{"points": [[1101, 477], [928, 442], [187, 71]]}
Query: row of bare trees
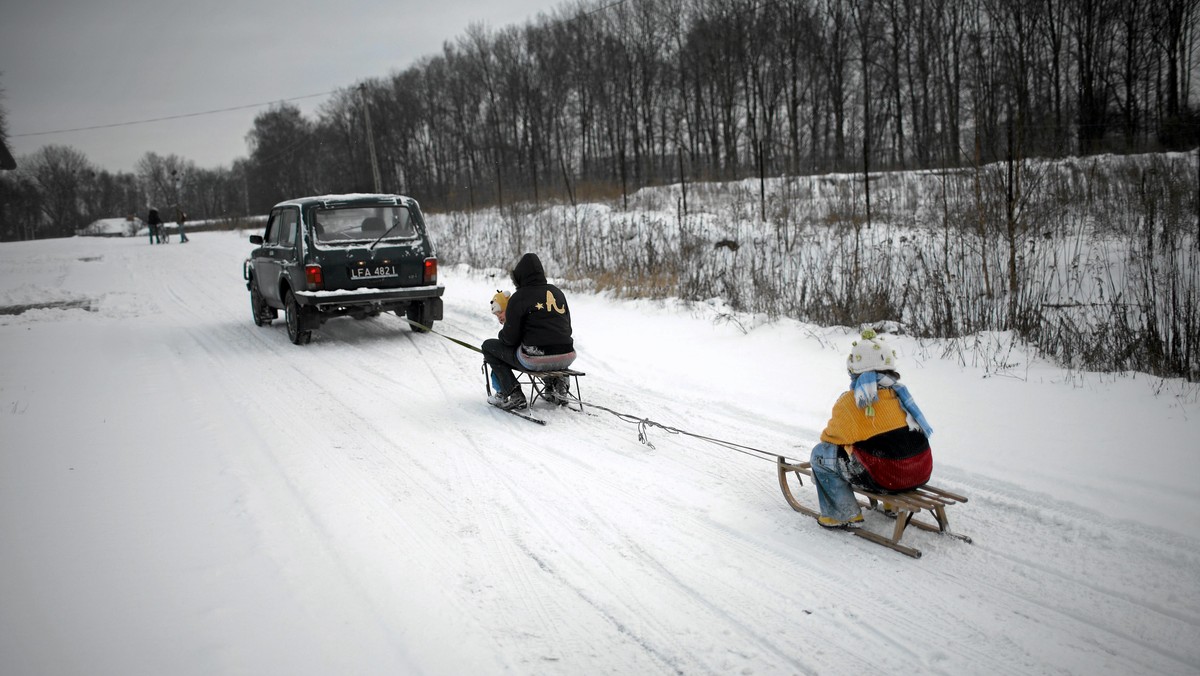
{"points": [[598, 99], [645, 91], [57, 191]]}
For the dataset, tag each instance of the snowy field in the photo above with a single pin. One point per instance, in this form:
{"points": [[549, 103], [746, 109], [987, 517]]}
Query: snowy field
{"points": [[184, 493]]}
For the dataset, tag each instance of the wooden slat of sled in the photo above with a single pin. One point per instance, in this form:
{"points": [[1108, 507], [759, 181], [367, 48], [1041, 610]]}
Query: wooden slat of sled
{"points": [[907, 504]]}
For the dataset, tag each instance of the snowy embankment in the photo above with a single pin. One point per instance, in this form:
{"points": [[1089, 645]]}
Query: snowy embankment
{"points": [[182, 492]]}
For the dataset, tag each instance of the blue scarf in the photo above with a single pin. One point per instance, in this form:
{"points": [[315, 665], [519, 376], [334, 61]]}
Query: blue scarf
{"points": [[866, 392]]}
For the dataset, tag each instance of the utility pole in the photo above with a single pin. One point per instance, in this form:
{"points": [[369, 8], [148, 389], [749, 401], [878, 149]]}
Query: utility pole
{"points": [[362, 90]]}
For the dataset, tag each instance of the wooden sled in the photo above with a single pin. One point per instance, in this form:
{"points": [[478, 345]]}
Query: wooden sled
{"points": [[906, 505], [536, 380]]}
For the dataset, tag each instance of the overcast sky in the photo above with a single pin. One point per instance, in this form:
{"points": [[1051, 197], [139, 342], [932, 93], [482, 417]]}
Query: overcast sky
{"points": [[66, 64]]}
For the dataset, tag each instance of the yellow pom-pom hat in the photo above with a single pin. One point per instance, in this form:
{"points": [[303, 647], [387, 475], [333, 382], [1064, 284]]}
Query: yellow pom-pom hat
{"points": [[500, 302]]}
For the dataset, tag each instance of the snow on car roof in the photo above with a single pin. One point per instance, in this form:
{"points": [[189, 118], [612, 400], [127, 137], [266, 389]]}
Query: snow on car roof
{"points": [[347, 197]]}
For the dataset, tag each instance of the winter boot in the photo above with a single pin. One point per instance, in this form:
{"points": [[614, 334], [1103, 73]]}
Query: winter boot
{"points": [[548, 394], [830, 522], [508, 402], [562, 389], [554, 390]]}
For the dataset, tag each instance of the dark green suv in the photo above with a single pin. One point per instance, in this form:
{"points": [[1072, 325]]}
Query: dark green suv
{"points": [[336, 255]]}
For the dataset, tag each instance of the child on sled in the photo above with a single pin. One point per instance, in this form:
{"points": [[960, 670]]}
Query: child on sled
{"points": [[877, 437]]}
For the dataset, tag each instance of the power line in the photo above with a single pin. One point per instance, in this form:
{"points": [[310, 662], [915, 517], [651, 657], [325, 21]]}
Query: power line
{"points": [[172, 117], [601, 9], [233, 108]]}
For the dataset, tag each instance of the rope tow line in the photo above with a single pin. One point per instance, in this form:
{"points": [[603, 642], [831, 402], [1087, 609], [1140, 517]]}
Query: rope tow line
{"points": [[452, 340], [643, 424]]}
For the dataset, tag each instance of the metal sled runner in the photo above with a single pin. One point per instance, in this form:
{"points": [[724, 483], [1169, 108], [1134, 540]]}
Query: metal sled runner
{"points": [[905, 505]]}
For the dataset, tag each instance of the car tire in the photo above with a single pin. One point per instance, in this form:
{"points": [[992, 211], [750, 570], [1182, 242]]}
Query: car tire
{"points": [[263, 314], [417, 312], [292, 313]]}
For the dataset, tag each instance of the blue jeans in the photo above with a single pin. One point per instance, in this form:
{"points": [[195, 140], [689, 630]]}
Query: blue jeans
{"points": [[832, 478], [502, 359]]}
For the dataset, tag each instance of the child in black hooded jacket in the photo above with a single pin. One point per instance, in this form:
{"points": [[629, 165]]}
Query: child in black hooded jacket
{"points": [[536, 335]]}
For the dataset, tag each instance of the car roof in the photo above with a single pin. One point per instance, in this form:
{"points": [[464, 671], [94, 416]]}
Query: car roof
{"points": [[348, 199]]}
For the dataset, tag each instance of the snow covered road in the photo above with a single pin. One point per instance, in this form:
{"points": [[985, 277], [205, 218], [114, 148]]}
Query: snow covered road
{"points": [[183, 492]]}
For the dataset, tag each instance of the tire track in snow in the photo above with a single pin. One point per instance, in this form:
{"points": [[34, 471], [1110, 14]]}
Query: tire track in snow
{"points": [[214, 343], [346, 422], [1101, 599], [600, 543], [619, 625], [519, 553], [560, 628], [901, 615], [542, 610]]}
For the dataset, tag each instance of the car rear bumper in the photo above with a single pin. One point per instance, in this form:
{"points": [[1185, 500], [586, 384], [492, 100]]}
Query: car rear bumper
{"points": [[368, 297]]}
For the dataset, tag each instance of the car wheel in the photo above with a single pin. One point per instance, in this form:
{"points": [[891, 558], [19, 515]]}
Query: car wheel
{"points": [[292, 313], [262, 313], [416, 312]]}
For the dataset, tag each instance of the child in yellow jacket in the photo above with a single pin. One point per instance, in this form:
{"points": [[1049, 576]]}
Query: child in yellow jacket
{"points": [[877, 437]]}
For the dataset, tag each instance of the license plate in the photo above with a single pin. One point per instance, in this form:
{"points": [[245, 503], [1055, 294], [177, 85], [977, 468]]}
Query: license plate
{"points": [[372, 271]]}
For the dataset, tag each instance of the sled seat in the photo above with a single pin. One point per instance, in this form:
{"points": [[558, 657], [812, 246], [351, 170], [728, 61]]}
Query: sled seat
{"points": [[536, 380], [906, 505]]}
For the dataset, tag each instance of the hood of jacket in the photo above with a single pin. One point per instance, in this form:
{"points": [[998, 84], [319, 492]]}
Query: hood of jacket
{"points": [[528, 271]]}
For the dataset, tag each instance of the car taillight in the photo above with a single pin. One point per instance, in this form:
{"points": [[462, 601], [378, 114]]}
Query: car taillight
{"points": [[312, 275], [430, 271]]}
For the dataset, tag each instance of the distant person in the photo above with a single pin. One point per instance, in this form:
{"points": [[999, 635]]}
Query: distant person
{"points": [[877, 438], [154, 224], [180, 219], [536, 335]]}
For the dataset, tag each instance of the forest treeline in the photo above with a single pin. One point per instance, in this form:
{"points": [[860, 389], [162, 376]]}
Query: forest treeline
{"points": [[595, 100]]}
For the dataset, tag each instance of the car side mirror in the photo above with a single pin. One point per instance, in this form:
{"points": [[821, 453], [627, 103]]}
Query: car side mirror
{"points": [[256, 239]]}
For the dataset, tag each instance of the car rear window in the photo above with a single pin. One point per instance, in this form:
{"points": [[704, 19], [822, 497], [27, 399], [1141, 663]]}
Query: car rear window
{"points": [[358, 224]]}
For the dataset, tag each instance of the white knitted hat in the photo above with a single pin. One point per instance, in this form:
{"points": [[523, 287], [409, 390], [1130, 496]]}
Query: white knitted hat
{"points": [[871, 354]]}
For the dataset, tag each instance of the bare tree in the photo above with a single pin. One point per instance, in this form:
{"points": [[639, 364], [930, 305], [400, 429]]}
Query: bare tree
{"points": [[281, 155], [834, 58], [1091, 23], [60, 173]]}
